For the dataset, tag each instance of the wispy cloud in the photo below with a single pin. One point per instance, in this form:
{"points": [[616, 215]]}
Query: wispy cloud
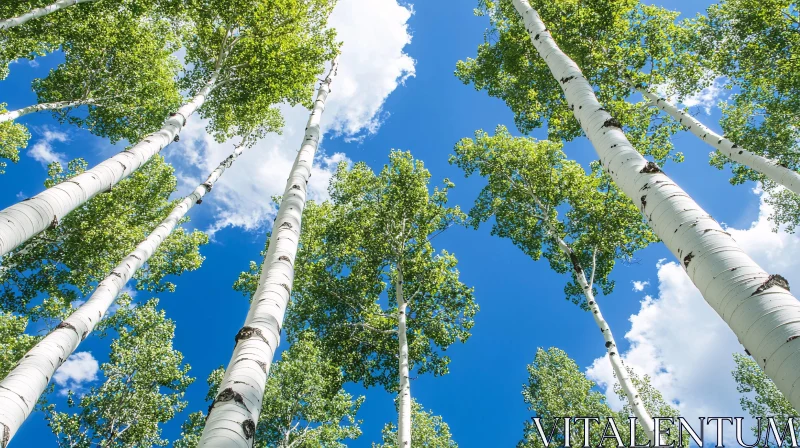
{"points": [[42, 151]]}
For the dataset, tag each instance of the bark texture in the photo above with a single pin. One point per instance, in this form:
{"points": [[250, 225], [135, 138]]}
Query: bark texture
{"points": [[39, 12], [404, 394], [24, 220], [20, 390], [234, 413], [14, 114], [757, 306], [770, 168]]}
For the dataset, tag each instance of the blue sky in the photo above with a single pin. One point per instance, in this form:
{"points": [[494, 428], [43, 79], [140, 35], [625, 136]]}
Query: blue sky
{"points": [[673, 334]]}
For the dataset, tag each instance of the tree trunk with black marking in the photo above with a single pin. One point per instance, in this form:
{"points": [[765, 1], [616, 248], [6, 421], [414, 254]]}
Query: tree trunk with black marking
{"points": [[231, 422], [769, 168], [766, 319], [23, 386]]}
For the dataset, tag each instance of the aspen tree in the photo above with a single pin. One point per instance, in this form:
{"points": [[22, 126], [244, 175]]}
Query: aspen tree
{"points": [[22, 387]]}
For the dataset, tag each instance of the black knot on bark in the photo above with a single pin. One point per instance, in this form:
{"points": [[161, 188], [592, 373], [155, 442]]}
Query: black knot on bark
{"points": [[735, 146], [6, 436], [228, 395], [650, 168], [608, 344], [199, 201], [83, 336], [177, 138], [295, 187], [602, 108], [748, 352], [792, 338], [567, 79], [536, 37], [644, 202], [576, 264], [263, 366], [208, 186], [54, 222], [687, 259], [773, 280], [248, 333], [284, 258], [286, 225], [67, 325], [612, 122], [249, 428]]}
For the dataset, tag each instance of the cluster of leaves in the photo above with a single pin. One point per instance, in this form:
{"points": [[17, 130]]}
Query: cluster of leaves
{"points": [[751, 45], [119, 66], [304, 405], [145, 380], [556, 388], [538, 197], [12, 137], [615, 40], [263, 53], [760, 396], [14, 343], [429, 431], [351, 254], [65, 262]]}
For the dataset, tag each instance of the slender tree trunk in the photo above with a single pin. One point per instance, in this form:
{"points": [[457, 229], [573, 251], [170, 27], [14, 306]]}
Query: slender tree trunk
{"points": [[14, 114], [232, 417], [757, 306], [770, 168], [631, 393], [20, 390], [39, 12], [404, 395], [624, 378], [24, 220]]}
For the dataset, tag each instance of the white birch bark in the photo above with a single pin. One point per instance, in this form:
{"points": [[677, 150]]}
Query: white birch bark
{"points": [[14, 114], [233, 415], [404, 394], [757, 306], [22, 387], [39, 12], [24, 220], [770, 168], [630, 390]]}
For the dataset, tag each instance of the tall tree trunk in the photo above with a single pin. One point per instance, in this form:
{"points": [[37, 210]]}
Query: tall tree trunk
{"points": [[14, 114], [630, 390], [232, 417], [20, 390], [39, 12], [404, 394], [770, 168], [757, 306], [24, 220]]}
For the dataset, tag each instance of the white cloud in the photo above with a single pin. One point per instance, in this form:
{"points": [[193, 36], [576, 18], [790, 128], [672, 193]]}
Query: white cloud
{"points": [[683, 344], [706, 98], [77, 370], [42, 151], [21, 195], [33, 63], [639, 286], [369, 70]]}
